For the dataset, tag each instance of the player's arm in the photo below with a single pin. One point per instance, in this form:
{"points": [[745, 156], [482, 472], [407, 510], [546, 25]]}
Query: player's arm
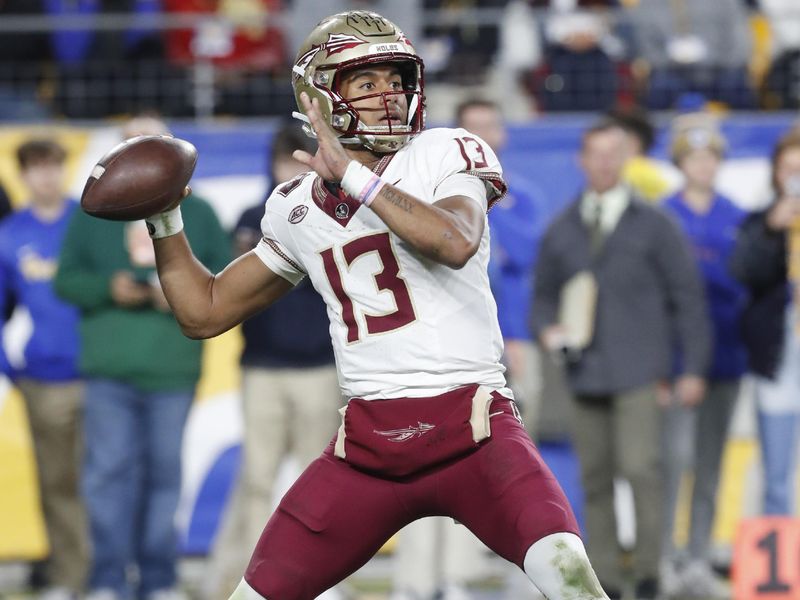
{"points": [[448, 231], [205, 304]]}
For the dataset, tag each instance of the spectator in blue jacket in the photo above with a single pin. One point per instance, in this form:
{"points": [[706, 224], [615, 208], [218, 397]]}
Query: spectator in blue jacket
{"points": [[695, 434], [46, 374], [290, 388]]}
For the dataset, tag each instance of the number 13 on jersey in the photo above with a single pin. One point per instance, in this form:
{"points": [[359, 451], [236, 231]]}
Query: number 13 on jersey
{"points": [[387, 279], [766, 562]]}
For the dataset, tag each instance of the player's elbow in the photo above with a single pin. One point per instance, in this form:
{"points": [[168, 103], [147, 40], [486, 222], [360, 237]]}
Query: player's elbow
{"points": [[194, 332], [460, 253], [455, 263], [197, 330]]}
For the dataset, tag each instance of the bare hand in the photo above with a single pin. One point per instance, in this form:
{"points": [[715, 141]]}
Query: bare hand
{"points": [[186, 191], [690, 389], [330, 162], [554, 338], [127, 292], [781, 216]]}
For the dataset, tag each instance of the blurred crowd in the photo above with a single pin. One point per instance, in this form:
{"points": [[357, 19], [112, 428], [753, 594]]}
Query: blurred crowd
{"points": [[204, 57]]}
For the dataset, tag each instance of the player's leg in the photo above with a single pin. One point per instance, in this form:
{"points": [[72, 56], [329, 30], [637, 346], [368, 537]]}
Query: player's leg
{"points": [[331, 522], [507, 496]]}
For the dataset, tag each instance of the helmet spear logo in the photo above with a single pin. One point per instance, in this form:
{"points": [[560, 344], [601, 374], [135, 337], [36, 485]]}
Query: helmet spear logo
{"points": [[339, 42]]}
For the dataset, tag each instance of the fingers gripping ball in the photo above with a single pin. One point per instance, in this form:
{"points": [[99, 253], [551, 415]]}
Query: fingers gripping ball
{"points": [[139, 178]]}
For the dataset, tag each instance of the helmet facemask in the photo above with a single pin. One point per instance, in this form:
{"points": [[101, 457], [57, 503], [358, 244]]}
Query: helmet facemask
{"points": [[346, 116], [338, 46]]}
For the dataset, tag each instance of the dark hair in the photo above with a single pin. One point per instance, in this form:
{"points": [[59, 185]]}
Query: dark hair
{"points": [[789, 141], [466, 105], [636, 122], [600, 126], [38, 151]]}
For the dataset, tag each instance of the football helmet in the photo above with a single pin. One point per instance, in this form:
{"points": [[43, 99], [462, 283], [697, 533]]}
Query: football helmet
{"points": [[351, 40]]}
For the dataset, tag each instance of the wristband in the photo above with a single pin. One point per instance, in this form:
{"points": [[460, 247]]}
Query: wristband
{"points": [[165, 224], [361, 183]]}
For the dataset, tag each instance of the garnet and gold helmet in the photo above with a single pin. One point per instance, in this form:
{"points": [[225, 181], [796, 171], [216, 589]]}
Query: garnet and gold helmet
{"points": [[352, 40]]}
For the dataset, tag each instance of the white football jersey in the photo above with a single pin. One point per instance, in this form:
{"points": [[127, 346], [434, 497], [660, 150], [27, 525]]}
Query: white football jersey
{"points": [[402, 325]]}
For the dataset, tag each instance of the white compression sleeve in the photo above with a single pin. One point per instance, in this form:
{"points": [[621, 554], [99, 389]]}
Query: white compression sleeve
{"points": [[557, 564]]}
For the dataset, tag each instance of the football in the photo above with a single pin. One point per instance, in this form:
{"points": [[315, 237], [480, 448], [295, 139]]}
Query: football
{"points": [[139, 178]]}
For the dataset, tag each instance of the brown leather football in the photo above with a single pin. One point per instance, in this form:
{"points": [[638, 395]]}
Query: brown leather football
{"points": [[139, 178]]}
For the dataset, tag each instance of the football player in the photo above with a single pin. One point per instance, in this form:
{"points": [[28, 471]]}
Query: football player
{"points": [[390, 226]]}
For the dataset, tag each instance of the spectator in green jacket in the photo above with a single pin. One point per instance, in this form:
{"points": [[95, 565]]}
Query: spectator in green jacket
{"points": [[140, 374]]}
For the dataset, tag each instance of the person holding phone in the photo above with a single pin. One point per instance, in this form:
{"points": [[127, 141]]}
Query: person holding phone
{"points": [[767, 261]]}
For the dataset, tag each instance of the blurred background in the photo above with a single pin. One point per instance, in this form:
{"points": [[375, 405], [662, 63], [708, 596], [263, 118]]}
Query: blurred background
{"points": [[217, 71]]}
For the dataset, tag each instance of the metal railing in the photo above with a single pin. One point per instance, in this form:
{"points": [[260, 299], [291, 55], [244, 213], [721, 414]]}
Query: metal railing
{"points": [[461, 47]]}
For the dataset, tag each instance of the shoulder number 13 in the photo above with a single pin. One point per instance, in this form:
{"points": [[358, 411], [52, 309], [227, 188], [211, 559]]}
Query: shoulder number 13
{"points": [[387, 279]]}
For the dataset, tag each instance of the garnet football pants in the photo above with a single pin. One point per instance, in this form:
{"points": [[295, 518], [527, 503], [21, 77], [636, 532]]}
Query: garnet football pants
{"points": [[335, 518]]}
